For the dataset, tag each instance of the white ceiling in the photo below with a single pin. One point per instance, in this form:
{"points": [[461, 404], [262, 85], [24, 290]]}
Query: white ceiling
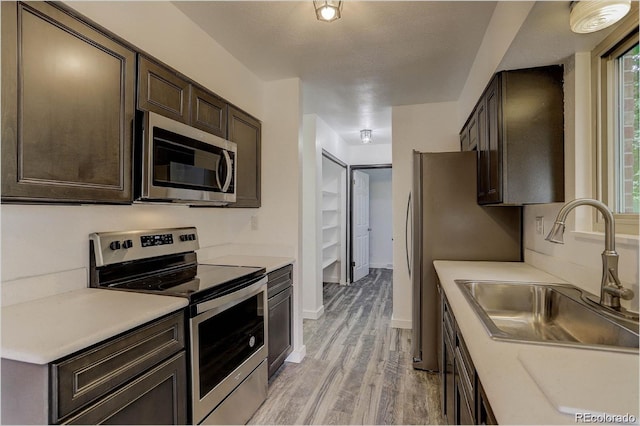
{"points": [[379, 54]]}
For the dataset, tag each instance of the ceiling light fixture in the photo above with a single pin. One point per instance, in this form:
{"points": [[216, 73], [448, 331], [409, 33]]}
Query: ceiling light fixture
{"points": [[365, 135], [327, 10], [588, 16]]}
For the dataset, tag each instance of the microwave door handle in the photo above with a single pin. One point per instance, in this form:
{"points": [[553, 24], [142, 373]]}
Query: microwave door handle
{"points": [[227, 181]]}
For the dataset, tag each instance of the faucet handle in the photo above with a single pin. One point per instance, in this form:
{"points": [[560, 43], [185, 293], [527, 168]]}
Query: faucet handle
{"points": [[621, 292], [626, 294]]}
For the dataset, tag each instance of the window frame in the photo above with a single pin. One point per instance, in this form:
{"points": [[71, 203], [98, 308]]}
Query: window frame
{"points": [[605, 127]]}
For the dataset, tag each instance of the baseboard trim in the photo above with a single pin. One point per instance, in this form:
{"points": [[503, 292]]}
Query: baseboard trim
{"points": [[399, 323], [298, 355], [381, 266], [314, 315]]}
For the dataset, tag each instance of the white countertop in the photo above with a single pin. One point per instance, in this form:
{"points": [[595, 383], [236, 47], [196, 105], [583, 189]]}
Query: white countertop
{"points": [[535, 384], [271, 263], [46, 329]]}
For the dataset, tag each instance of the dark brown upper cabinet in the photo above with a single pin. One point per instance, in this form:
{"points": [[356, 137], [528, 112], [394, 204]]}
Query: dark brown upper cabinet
{"points": [[68, 100], [168, 93], [520, 137], [208, 112], [162, 91], [469, 135], [245, 131]]}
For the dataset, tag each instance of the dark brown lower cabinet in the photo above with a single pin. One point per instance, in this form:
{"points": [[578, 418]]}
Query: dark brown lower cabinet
{"points": [[139, 377], [156, 397], [485, 414], [448, 384], [464, 401], [280, 305], [464, 414]]}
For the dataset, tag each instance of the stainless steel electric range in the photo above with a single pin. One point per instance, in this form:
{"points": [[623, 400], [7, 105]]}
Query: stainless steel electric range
{"points": [[227, 313]]}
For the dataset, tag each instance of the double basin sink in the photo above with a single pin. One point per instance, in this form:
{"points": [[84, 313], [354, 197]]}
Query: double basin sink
{"points": [[556, 314]]}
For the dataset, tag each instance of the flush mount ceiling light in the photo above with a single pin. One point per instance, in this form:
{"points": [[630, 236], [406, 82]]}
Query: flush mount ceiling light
{"points": [[365, 135], [588, 16], [328, 10]]}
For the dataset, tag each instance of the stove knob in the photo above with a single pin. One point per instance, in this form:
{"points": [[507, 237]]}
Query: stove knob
{"points": [[127, 244], [115, 245], [184, 237]]}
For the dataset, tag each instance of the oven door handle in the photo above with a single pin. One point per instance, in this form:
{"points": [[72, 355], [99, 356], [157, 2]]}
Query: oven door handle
{"points": [[212, 307], [227, 181]]}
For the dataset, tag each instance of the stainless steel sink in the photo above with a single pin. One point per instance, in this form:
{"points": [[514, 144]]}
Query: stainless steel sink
{"points": [[557, 314]]}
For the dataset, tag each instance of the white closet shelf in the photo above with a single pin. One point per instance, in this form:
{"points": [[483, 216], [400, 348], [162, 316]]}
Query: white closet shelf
{"points": [[329, 244], [330, 210], [328, 227], [329, 262], [330, 193]]}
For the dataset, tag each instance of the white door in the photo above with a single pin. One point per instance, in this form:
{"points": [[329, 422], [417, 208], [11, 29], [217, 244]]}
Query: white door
{"points": [[360, 225]]}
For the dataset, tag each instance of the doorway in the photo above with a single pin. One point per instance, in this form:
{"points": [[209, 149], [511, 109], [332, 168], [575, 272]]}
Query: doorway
{"points": [[370, 219]]}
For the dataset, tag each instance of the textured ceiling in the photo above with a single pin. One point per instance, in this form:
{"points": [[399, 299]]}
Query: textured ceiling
{"points": [[545, 38], [380, 54]]}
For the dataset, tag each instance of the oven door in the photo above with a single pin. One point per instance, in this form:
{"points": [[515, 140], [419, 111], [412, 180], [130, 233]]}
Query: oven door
{"points": [[184, 164], [228, 342]]}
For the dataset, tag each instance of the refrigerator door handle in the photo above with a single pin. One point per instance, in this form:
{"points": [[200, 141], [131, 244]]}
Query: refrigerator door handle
{"points": [[406, 234]]}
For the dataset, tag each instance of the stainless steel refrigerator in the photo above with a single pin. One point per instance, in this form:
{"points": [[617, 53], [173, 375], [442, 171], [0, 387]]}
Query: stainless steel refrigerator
{"points": [[446, 223]]}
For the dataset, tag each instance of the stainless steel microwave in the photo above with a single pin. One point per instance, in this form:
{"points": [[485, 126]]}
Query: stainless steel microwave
{"points": [[181, 164]]}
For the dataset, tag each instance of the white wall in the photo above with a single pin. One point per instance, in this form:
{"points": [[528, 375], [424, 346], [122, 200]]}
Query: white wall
{"points": [[312, 305], [578, 260], [47, 239], [505, 23], [380, 218], [163, 31], [425, 128], [362, 155], [62, 231]]}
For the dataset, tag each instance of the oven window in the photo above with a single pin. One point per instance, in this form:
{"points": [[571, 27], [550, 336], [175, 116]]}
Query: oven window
{"points": [[185, 163], [228, 339]]}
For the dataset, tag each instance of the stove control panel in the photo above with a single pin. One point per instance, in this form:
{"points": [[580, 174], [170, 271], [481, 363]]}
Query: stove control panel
{"points": [[156, 240], [115, 247]]}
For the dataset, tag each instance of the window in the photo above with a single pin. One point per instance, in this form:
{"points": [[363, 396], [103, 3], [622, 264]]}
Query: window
{"points": [[616, 71], [627, 142]]}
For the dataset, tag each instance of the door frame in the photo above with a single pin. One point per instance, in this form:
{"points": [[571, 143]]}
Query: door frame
{"points": [[326, 154], [350, 201]]}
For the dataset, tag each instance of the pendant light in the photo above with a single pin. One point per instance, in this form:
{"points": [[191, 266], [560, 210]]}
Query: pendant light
{"points": [[327, 10], [365, 136], [588, 16]]}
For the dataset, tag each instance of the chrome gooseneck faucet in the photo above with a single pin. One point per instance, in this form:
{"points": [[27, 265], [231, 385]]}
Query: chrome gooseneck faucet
{"points": [[611, 290]]}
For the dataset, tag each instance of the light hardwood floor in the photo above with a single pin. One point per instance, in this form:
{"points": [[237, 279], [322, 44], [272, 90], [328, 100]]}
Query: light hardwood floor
{"points": [[357, 369]]}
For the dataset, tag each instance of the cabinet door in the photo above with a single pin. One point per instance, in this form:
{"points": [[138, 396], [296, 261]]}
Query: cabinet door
{"points": [[493, 144], [87, 376], [157, 397], [162, 91], [464, 414], [449, 382], [208, 112], [483, 151], [280, 308], [67, 108], [473, 132], [483, 410], [464, 139], [245, 131]]}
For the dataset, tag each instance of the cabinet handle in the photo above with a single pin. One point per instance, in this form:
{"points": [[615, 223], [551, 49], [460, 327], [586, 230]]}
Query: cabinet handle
{"points": [[227, 181], [406, 234]]}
